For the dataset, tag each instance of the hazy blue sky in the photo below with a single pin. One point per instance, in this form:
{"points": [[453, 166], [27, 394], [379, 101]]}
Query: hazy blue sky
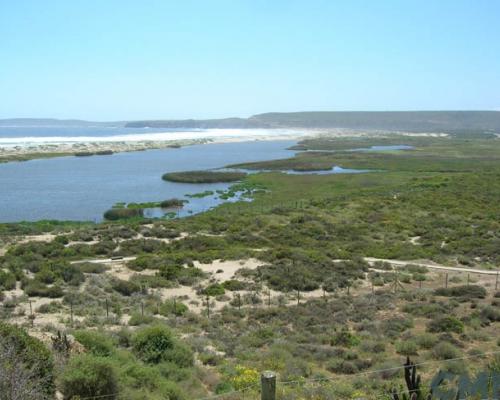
{"points": [[119, 59]]}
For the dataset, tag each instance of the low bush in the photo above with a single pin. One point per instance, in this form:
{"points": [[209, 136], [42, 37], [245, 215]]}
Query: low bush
{"points": [[203, 176], [156, 344], [234, 285], [446, 324], [92, 268], [32, 353], [172, 203], [445, 351], [7, 280], [464, 291], [126, 288], [490, 314], [115, 214], [137, 319], [170, 307], [426, 340], [215, 289], [407, 347], [344, 338], [150, 344], [95, 343], [88, 376], [35, 288]]}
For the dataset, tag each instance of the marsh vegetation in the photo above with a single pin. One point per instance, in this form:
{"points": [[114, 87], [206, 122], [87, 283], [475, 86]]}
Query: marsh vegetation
{"points": [[203, 176]]}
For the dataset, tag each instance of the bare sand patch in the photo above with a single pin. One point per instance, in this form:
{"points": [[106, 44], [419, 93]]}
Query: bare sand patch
{"points": [[120, 271], [196, 302], [225, 270], [46, 237]]}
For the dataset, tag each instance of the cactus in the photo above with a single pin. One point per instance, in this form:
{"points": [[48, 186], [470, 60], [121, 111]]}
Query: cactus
{"points": [[61, 344], [413, 381]]}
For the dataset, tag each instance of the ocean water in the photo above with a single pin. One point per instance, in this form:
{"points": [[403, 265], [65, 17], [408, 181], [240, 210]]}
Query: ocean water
{"points": [[66, 132], [32, 136]]}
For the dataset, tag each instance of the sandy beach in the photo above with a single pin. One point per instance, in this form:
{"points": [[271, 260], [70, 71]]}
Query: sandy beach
{"points": [[25, 148]]}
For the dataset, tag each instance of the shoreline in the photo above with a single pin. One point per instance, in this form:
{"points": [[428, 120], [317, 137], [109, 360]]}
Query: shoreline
{"points": [[30, 148]]}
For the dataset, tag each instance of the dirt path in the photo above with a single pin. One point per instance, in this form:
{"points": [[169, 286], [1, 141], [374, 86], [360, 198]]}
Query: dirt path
{"points": [[399, 263], [105, 260]]}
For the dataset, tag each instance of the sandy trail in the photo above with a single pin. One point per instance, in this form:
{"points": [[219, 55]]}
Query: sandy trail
{"points": [[225, 270], [399, 263]]}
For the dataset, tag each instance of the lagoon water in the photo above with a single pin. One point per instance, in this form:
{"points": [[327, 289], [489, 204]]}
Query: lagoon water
{"points": [[82, 188]]}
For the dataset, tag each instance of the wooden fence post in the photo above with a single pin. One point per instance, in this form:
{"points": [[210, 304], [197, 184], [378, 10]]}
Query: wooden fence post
{"points": [[496, 282], [446, 280], [32, 318], [268, 385], [107, 310]]}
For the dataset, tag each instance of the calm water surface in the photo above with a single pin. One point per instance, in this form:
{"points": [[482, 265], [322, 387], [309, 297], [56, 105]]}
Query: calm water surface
{"points": [[82, 188]]}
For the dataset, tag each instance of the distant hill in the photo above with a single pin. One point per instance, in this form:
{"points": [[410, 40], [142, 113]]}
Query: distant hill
{"points": [[411, 121], [241, 123], [423, 121], [53, 122]]}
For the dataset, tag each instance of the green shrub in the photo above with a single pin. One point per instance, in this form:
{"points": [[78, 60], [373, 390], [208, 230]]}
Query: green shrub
{"points": [[215, 289], [35, 288], [7, 280], [406, 348], [446, 324], [426, 340], [170, 307], [126, 288], [89, 376], [445, 351], [139, 319], [371, 346], [344, 338], [203, 176], [464, 291], [151, 344], [393, 327], [92, 268], [172, 203], [96, 343], [180, 355], [31, 352], [123, 213], [234, 284], [490, 314], [155, 344], [49, 308]]}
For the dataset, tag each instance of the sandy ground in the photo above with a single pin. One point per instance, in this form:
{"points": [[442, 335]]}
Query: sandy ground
{"points": [[218, 271], [431, 265], [222, 271], [33, 146]]}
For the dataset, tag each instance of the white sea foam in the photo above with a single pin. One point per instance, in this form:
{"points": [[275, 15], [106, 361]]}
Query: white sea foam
{"points": [[214, 134]]}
